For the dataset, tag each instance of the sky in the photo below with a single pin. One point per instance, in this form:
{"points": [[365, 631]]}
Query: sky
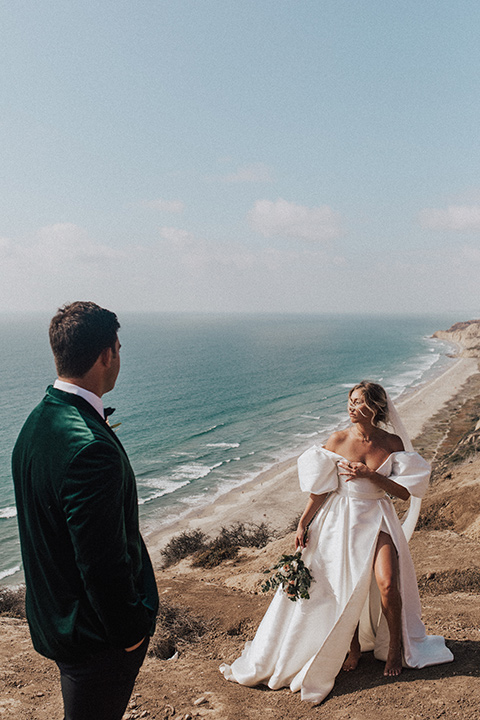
{"points": [[300, 156]]}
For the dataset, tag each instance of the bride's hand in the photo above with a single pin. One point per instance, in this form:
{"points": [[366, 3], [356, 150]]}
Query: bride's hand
{"points": [[301, 538], [353, 470]]}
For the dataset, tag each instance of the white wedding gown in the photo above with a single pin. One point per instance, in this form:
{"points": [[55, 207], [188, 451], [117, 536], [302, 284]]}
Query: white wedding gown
{"points": [[303, 644]]}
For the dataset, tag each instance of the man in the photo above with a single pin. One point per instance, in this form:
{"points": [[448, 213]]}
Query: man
{"points": [[91, 595]]}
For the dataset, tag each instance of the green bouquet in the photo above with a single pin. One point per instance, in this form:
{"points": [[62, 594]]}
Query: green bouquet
{"points": [[292, 574]]}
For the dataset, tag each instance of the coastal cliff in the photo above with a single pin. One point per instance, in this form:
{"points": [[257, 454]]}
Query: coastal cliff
{"points": [[208, 613], [466, 334]]}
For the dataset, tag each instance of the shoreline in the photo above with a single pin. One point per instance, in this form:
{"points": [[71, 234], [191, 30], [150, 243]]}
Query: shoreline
{"points": [[418, 407], [274, 497]]}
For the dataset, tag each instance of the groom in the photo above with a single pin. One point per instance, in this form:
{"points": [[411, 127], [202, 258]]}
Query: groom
{"points": [[91, 594]]}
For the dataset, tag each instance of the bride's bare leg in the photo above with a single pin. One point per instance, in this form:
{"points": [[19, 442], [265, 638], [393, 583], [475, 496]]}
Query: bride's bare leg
{"points": [[386, 575], [354, 655]]}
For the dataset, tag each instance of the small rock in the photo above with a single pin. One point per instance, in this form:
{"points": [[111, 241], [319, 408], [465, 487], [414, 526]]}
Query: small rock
{"points": [[145, 713], [40, 694], [200, 701]]}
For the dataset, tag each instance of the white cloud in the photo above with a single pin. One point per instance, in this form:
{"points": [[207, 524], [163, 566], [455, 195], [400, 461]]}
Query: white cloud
{"points": [[472, 254], [177, 236], [287, 219], [186, 272], [5, 247], [56, 264], [454, 217], [200, 255], [62, 247], [220, 258], [256, 172], [169, 206], [66, 244]]}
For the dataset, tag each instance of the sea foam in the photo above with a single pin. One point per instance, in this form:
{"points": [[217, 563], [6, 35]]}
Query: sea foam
{"points": [[9, 571]]}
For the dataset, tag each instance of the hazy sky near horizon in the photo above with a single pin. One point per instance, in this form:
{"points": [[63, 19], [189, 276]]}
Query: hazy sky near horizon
{"points": [[248, 155]]}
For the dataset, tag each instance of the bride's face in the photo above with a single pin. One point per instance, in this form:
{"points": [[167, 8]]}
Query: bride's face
{"points": [[357, 409]]}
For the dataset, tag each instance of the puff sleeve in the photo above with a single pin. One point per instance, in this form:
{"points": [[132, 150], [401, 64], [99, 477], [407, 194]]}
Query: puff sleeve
{"points": [[317, 471], [411, 471]]}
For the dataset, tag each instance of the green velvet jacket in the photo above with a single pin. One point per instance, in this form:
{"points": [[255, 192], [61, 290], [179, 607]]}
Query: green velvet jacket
{"points": [[90, 582]]}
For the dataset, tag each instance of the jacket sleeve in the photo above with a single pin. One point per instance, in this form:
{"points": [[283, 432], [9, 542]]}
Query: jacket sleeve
{"points": [[317, 471], [99, 501]]}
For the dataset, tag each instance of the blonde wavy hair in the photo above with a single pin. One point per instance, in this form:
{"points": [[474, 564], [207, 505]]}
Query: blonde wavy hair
{"points": [[375, 399]]}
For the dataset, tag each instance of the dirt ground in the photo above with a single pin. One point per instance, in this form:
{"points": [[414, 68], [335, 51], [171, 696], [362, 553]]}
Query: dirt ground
{"points": [[191, 685], [227, 601], [171, 688]]}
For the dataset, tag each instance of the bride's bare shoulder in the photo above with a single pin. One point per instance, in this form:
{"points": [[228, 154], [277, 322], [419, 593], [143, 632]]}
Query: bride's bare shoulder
{"points": [[393, 442], [336, 440]]}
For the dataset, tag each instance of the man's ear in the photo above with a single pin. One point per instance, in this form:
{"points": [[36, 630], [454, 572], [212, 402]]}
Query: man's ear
{"points": [[106, 357]]}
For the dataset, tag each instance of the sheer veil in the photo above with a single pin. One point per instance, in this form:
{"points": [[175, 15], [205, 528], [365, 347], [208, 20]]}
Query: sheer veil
{"points": [[411, 516]]}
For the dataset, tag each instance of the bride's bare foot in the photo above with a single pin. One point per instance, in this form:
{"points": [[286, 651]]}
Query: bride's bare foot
{"points": [[393, 666], [352, 660]]}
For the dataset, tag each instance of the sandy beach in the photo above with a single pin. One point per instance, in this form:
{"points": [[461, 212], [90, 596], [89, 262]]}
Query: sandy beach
{"points": [[274, 496]]}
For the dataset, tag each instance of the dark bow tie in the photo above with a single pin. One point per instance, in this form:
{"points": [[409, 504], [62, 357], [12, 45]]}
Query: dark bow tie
{"points": [[108, 411]]}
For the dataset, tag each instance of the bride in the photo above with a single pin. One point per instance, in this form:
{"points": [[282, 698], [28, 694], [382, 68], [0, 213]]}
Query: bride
{"points": [[365, 594]]}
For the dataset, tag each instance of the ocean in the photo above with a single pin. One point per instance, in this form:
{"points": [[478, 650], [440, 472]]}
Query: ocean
{"points": [[206, 402]]}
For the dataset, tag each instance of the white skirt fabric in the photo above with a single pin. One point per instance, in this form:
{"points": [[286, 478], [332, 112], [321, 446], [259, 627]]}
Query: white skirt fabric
{"points": [[303, 644]]}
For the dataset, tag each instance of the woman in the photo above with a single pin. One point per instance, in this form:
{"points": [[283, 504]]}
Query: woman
{"points": [[365, 594]]}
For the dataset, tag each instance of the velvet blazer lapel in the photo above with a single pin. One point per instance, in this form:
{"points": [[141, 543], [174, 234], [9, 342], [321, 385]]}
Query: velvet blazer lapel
{"points": [[84, 407]]}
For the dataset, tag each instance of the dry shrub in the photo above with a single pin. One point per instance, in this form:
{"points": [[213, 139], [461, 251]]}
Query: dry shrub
{"points": [[293, 524], [224, 547], [442, 583], [243, 535], [182, 546], [468, 446], [228, 543], [12, 602], [175, 626], [436, 516], [213, 556]]}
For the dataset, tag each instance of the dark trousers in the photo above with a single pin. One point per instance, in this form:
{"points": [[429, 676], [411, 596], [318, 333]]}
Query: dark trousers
{"points": [[99, 688]]}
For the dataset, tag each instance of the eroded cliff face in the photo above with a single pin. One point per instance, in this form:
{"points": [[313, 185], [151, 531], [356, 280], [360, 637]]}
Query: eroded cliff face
{"points": [[466, 334]]}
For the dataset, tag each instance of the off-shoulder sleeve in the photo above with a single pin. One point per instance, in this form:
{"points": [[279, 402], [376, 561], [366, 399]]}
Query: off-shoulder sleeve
{"points": [[317, 471], [411, 471]]}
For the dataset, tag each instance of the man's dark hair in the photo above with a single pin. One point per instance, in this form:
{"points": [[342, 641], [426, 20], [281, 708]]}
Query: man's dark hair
{"points": [[78, 334]]}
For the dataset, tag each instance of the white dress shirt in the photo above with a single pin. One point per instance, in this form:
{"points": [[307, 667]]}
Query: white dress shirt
{"points": [[90, 397]]}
